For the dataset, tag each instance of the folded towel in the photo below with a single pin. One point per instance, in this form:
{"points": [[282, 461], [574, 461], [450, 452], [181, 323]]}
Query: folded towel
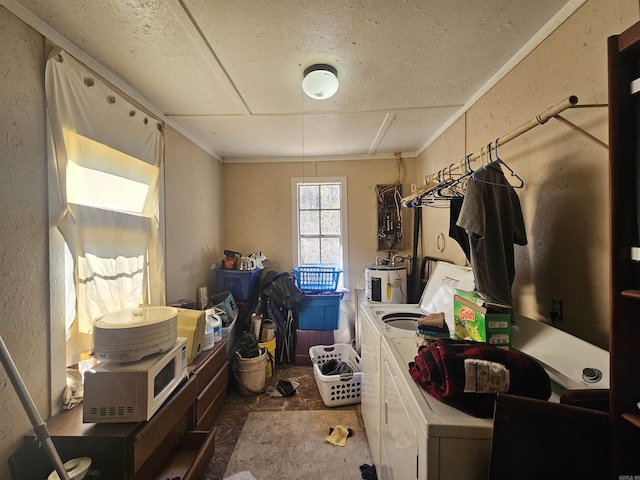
{"points": [[432, 320], [338, 436], [467, 375]]}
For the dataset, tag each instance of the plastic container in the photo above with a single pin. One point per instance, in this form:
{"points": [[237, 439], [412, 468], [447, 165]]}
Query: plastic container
{"points": [[241, 283], [319, 312], [317, 278], [271, 347], [251, 374], [337, 390], [229, 333], [213, 328]]}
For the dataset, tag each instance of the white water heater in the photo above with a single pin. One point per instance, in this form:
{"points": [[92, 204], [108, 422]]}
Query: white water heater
{"points": [[386, 283]]}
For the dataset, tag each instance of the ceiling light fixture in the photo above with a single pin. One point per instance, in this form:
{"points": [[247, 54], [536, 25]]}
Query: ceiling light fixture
{"points": [[320, 81]]}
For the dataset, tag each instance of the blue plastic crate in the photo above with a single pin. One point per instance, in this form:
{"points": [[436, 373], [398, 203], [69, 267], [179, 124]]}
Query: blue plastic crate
{"points": [[241, 283], [319, 311], [317, 278]]}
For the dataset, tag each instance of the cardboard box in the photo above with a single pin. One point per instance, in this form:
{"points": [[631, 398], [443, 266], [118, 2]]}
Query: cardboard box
{"points": [[481, 320]]}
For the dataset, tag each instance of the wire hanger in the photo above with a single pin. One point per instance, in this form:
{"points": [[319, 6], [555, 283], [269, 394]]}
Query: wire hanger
{"points": [[498, 161]]}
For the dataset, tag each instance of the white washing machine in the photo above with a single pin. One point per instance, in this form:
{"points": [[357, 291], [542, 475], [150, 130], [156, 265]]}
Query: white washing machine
{"points": [[413, 435]]}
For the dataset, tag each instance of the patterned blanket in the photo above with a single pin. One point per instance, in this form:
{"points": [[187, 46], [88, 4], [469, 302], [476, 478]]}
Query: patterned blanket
{"points": [[467, 375]]}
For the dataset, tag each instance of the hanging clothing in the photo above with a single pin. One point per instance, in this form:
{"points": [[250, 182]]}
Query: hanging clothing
{"points": [[458, 233], [492, 217]]}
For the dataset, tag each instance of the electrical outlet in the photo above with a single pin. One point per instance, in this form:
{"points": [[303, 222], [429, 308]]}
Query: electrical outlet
{"points": [[414, 188], [556, 310]]}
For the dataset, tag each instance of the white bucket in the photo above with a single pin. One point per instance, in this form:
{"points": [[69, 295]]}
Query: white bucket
{"points": [[251, 373]]}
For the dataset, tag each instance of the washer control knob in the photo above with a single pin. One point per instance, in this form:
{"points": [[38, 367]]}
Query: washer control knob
{"points": [[591, 375]]}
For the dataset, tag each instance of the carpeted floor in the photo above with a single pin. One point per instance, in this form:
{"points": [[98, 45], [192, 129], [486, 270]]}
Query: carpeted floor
{"points": [[237, 409]]}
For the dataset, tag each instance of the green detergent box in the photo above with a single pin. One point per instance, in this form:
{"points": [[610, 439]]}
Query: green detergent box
{"points": [[481, 320]]}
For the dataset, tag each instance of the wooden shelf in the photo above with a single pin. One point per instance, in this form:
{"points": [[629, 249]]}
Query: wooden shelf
{"points": [[624, 68], [632, 418]]}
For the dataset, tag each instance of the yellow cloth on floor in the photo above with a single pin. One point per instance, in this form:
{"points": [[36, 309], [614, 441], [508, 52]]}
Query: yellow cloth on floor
{"points": [[338, 437]]}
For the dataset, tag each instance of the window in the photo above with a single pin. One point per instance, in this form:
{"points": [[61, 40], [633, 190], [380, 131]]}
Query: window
{"points": [[105, 172], [320, 222]]}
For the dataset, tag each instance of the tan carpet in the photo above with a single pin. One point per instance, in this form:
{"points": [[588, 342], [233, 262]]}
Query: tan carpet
{"points": [[289, 445]]}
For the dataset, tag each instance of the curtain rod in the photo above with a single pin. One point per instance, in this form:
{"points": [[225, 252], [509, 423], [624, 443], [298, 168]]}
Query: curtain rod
{"points": [[430, 180]]}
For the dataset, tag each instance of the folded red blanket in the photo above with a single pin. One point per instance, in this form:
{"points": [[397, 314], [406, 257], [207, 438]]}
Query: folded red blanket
{"points": [[467, 375]]}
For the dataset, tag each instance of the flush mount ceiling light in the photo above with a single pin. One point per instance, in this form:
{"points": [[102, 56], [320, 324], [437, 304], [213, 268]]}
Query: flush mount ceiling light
{"points": [[320, 81]]}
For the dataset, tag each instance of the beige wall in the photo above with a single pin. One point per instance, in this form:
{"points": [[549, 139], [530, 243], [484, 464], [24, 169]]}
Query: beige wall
{"points": [[258, 207], [24, 268], [193, 216], [565, 198]]}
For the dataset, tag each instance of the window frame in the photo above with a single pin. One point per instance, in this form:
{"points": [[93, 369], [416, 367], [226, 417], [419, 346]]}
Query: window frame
{"points": [[344, 220], [59, 268]]}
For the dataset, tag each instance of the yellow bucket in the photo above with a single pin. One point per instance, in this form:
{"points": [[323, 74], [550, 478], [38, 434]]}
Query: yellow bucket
{"points": [[271, 346]]}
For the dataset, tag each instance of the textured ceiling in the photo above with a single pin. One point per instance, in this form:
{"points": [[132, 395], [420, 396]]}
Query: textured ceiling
{"points": [[228, 73]]}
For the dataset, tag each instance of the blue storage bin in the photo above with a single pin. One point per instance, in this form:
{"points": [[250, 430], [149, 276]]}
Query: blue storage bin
{"points": [[319, 311], [241, 283]]}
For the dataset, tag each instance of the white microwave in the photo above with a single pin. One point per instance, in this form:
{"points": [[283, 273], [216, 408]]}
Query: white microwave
{"points": [[133, 392]]}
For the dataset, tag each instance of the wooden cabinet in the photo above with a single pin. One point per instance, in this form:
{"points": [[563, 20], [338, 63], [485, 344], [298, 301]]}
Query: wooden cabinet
{"points": [[624, 154], [211, 370], [176, 442]]}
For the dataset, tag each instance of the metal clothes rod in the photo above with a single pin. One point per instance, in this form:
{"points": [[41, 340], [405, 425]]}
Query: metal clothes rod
{"points": [[541, 119]]}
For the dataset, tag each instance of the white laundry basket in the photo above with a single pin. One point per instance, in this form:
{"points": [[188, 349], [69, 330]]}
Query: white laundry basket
{"points": [[337, 390]]}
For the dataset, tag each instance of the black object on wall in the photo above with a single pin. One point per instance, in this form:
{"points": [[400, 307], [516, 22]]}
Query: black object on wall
{"points": [[389, 216]]}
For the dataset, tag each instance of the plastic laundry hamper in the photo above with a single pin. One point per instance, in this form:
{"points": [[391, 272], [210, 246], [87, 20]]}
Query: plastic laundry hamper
{"points": [[337, 390]]}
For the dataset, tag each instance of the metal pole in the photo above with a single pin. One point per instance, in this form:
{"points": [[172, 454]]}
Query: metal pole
{"points": [[39, 427], [431, 181], [534, 122]]}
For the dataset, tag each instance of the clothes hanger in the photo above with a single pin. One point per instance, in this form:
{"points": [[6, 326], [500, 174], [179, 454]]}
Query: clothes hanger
{"points": [[499, 162], [447, 187], [513, 174]]}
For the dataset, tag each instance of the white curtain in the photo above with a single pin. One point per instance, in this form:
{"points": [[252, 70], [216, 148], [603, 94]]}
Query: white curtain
{"points": [[108, 155]]}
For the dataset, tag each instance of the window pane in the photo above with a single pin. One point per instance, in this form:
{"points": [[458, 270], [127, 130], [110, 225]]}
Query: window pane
{"points": [[331, 252], [309, 223], [330, 222], [94, 188], [330, 196], [309, 196], [309, 250]]}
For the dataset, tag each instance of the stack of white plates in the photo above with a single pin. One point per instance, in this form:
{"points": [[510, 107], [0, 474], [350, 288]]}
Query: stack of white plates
{"points": [[134, 333]]}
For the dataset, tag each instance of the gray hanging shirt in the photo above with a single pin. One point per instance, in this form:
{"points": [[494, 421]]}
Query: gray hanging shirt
{"points": [[492, 217]]}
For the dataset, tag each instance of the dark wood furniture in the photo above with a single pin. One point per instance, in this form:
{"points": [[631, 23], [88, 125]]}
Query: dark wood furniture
{"points": [[534, 439], [624, 67], [211, 370], [176, 442]]}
